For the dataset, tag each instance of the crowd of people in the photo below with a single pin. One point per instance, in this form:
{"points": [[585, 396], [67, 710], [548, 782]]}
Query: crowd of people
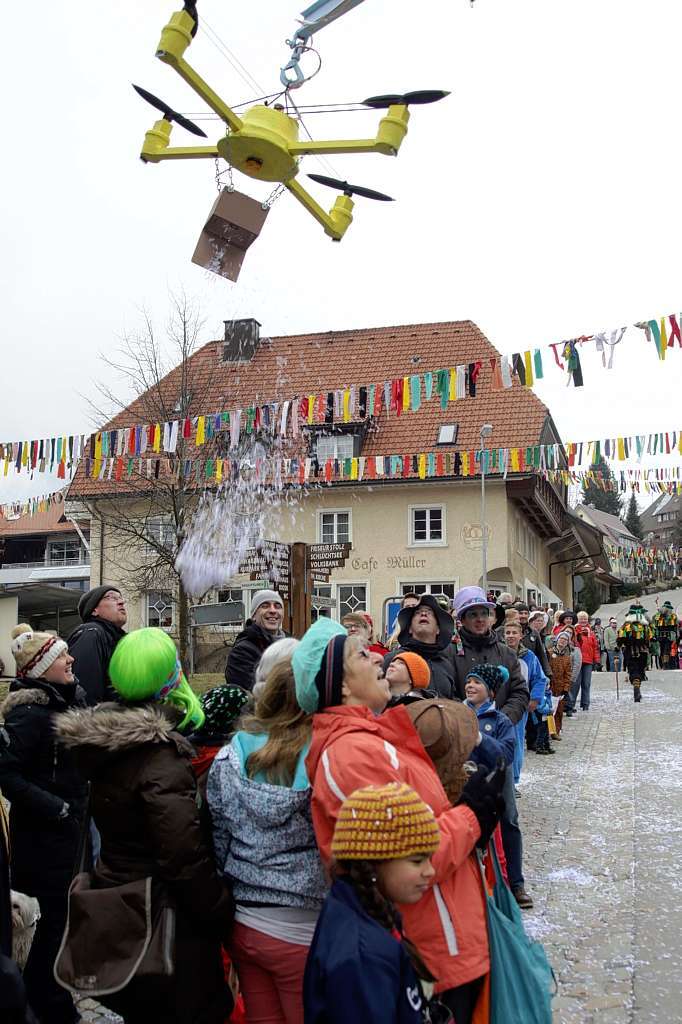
{"points": [[309, 842]]}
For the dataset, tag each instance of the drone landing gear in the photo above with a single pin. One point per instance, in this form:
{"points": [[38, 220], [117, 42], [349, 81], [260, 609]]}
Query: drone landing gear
{"points": [[235, 221]]}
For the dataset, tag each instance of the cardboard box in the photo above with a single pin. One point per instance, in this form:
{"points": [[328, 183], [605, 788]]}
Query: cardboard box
{"points": [[235, 221]]}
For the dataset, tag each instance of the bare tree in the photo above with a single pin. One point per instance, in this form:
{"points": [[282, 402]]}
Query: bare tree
{"points": [[144, 518]]}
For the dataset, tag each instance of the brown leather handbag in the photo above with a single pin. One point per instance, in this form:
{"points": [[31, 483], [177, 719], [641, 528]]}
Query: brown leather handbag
{"points": [[116, 935]]}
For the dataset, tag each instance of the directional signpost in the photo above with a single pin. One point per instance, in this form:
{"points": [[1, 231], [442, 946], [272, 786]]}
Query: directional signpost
{"points": [[322, 558], [292, 570], [271, 561]]}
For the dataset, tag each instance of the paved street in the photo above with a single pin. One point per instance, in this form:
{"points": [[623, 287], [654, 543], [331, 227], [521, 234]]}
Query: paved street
{"points": [[602, 823]]}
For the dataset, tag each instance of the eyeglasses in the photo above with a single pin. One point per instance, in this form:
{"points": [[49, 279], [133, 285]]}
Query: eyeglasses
{"points": [[113, 596]]}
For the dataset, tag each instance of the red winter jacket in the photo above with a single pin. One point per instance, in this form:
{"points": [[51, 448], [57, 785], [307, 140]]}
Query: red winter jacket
{"points": [[352, 748], [587, 641]]}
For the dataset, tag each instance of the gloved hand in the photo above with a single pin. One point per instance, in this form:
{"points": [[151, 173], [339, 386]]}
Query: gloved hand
{"points": [[485, 800]]}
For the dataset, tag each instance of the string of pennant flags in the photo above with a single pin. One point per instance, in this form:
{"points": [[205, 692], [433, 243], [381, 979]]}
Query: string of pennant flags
{"points": [[355, 402], [641, 559], [541, 459]]}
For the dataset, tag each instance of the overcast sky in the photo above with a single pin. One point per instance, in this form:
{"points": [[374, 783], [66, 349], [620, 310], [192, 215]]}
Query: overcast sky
{"points": [[541, 199]]}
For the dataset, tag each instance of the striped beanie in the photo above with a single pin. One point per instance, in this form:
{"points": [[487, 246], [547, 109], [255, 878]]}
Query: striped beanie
{"points": [[34, 652], [384, 823]]}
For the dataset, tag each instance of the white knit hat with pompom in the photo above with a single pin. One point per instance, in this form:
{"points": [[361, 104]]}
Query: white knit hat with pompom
{"points": [[34, 652]]}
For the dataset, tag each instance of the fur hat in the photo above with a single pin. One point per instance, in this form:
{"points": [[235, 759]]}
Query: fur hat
{"points": [[448, 730], [417, 668], [34, 652], [564, 615], [384, 823]]}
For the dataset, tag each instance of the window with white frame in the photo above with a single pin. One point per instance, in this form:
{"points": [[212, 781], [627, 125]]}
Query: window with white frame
{"points": [[427, 524], [334, 446], [526, 541], [449, 589], [496, 589], [64, 552], [161, 531], [350, 597], [160, 609], [334, 527]]}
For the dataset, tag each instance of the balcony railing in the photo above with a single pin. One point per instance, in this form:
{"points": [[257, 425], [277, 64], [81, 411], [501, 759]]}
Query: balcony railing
{"points": [[48, 563]]}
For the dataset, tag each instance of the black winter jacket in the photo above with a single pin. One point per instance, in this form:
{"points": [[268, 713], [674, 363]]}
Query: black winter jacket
{"points": [[246, 653], [38, 777], [513, 696], [91, 645]]}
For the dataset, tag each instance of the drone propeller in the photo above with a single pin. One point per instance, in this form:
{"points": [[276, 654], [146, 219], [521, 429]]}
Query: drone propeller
{"points": [[420, 96], [168, 112], [351, 190]]}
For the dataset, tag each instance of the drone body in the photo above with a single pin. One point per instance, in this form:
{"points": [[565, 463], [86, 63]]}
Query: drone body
{"points": [[264, 142]]}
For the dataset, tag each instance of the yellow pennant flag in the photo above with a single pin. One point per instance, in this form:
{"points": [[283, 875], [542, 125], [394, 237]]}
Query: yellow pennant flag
{"points": [[664, 338], [201, 430], [422, 466], [528, 366], [346, 405], [452, 385], [406, 394]]}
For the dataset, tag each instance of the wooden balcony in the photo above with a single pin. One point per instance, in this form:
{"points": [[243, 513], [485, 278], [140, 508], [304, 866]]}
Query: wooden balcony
{"points": [[541, 503]]}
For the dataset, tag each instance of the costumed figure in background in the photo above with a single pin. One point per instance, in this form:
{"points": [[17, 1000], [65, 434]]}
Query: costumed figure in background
{"points": [[634, 637], [666, 628]]}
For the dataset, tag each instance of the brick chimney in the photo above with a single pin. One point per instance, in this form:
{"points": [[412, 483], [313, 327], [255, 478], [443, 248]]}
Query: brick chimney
{"points": [[242, 338]]}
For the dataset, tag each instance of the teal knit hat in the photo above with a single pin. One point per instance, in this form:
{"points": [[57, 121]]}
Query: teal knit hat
{"points": [[310, 657]]}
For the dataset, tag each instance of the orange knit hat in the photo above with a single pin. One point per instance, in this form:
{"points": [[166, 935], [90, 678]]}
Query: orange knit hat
{"points": [[384, 823], [418, 668]]}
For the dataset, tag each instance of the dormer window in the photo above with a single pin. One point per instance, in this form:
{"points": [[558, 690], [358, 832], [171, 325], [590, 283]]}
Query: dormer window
{"points": [[336, 446]]}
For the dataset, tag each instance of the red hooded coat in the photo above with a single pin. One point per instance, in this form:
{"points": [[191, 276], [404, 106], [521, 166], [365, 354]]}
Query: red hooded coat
{"points": [[352, 748]]}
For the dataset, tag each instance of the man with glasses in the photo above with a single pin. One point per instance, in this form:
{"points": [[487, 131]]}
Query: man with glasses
{"points": [[91, 645]]}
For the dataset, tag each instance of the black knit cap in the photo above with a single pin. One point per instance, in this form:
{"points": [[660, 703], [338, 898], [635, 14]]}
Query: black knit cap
{"points": [[89, 601], [329, 679], [492, 675]]}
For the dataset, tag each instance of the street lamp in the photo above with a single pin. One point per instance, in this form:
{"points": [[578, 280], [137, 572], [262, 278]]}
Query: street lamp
{"points": [[485, 432]]}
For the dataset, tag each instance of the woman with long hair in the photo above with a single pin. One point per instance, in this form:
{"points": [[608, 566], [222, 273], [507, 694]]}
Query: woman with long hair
{"points": [[259, 799], [143, 798], [354, 746]]}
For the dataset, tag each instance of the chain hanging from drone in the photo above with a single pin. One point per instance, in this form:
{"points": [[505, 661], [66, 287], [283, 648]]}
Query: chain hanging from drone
{"points": [[219, 175]]}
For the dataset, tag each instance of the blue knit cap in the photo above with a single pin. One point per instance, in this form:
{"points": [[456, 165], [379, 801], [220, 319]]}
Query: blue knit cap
{"points": [[317, 663], [492, 675]]}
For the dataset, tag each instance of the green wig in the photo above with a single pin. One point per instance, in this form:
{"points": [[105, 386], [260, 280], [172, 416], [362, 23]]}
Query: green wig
{"points": [[145, 666]]}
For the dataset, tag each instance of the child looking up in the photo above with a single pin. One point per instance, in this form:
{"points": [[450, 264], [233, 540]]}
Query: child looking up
{"points": [[360, 967], [496, 733], [408, 676]]}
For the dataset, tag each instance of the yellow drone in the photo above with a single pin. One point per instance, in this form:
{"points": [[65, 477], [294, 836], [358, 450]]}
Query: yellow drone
{"points": [[264, 143]]}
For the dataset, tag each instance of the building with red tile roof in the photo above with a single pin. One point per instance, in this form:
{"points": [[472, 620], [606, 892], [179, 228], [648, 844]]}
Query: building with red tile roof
{"points": [[405, 533]]}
